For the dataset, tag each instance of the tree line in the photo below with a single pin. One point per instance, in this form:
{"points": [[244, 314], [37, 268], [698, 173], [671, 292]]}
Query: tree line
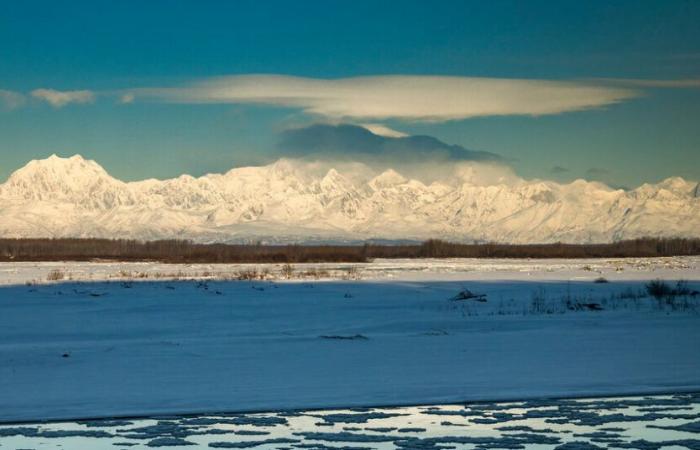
{"points": [[182, 251]]}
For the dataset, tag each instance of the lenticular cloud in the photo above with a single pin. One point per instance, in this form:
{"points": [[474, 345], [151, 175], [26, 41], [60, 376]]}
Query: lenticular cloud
{"points": [[418, 98]]}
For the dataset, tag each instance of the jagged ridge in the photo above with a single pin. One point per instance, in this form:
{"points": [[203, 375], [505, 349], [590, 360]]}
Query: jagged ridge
{"points": [[286, 201]]}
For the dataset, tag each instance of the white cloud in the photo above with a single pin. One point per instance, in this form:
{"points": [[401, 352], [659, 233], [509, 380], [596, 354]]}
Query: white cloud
{"points": [[10, 99], [419, 98], [58, 99], [383, 130]]}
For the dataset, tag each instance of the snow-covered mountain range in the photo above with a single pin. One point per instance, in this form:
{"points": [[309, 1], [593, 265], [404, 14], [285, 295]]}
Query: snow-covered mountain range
{"points": [[292, 201]]}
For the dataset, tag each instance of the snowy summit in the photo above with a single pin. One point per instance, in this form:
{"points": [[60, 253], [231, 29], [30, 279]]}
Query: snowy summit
{"points": [[292, 200]]}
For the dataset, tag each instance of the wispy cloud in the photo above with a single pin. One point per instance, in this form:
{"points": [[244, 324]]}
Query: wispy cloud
{"points": [[58, 99], [683, 83], [10, 99], [383, 130], [559, 170], [126, 98], [416, 98]]}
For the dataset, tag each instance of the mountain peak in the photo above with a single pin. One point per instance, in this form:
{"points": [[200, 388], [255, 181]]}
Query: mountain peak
{"points": [[56, 177], [386, 179], [74, 169], [76, 157], [334, 182], [56, 160], [678, 185]]}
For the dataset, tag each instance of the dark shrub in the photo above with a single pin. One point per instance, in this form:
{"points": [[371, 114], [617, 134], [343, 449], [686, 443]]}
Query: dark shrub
{"points": [[658, 289]]}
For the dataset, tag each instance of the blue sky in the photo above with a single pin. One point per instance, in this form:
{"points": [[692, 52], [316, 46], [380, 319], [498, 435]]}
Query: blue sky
{"points": [[164, 58]]}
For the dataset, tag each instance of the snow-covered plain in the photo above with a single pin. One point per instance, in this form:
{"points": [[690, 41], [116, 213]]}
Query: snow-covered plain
{"points": [[425, 269], [187, 339]]}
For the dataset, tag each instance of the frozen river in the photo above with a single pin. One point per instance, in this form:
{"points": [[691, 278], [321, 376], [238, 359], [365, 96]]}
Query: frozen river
{"points": [[644, 423]]}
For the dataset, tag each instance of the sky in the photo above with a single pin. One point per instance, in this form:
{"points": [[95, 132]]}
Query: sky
{"points": [[600, 90]]}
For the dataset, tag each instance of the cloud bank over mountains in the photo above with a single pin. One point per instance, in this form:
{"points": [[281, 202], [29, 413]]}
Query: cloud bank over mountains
{"points": [[421, 157]]}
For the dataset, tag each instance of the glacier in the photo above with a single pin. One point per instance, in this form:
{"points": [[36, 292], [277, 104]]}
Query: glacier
{"points": [[305, 202]]}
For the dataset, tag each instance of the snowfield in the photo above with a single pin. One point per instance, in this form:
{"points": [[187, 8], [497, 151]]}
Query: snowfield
{"points": [[426, 269], [114, 339]]}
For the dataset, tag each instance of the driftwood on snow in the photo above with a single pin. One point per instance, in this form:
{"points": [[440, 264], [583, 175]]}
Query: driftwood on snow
{"points": [[466, 294]]}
